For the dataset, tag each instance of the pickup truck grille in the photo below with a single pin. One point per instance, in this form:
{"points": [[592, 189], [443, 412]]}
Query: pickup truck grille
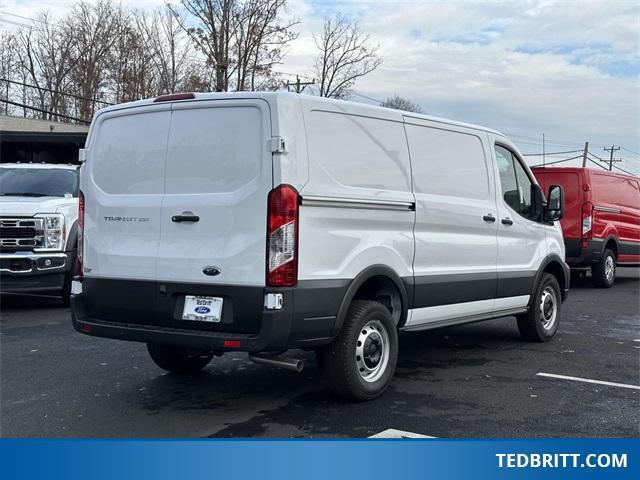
{"points": [[18, 232], [21, 233]]}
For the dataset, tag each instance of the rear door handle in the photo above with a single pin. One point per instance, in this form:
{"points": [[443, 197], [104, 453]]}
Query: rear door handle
{"points": [[507, 221], [185, 218], [489, 218]]}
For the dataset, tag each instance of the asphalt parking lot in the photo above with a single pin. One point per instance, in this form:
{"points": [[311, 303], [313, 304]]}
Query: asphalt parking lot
{"points": [[479, 380]]}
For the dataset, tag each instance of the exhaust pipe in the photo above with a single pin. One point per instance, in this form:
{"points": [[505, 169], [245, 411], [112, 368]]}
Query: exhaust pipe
{"points": [[275, 361]]}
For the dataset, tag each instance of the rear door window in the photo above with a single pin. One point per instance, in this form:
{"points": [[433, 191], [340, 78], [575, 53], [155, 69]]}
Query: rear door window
{"points": [[128, 153], [214, 150]]}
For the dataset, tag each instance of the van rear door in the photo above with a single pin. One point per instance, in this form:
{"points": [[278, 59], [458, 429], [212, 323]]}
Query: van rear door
{"points": [[123, 182], [574, 197], [214, 211]]}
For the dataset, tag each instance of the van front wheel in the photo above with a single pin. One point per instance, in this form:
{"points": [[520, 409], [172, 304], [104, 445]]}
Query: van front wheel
{"points": [[360, 362], [178, 360], [540, 323]]}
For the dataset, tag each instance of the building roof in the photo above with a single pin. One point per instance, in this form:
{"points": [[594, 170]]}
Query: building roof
{"points": [[21, 124], [64, 166]]}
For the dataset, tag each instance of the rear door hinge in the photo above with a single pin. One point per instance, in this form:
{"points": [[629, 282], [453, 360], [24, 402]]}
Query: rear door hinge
{"points": [[277, 145]]}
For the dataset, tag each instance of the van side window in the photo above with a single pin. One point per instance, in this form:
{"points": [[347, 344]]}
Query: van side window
{"points": [[516, 184], [447, 163], [360, 152]]}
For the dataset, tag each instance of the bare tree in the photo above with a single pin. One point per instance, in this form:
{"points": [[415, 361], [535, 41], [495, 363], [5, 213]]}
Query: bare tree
{"points": [[241, 39], [213, 33], [132, 75], [260, 40], [46, 59], [346, 54], [93, 29], [170, 49], [8, 66], [402, 103]]}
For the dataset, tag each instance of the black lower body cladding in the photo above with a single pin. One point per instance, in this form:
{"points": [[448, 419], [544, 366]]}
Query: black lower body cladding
{"points": [[582, 257], [149, 311], [578, 256], [435, 290]]}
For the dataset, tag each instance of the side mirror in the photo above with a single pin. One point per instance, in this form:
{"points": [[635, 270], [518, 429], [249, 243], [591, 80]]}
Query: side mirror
{"points": [[555, 204]]}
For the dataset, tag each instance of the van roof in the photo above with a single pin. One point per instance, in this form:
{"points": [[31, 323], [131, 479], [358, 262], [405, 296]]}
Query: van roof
{"points": [[274, 96]]}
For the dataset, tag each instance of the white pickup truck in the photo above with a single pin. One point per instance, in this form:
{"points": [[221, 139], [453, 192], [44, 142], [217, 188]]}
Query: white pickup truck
{"points": [[38, 231]]}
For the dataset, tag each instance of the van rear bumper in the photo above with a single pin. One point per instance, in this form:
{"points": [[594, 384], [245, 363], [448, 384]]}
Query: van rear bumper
{"points": [[306, 320], [581, 257]]}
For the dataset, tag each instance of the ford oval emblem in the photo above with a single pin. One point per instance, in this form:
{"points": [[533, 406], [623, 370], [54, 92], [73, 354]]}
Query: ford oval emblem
{"points": [[202, 310], [211, 271]]}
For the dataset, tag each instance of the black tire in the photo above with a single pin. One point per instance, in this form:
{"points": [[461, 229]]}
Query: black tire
{"points": [[178, 360], [340, 359], [534, 325], [599, 272]]}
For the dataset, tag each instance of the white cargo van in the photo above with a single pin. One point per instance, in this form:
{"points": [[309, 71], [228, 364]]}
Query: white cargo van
{"points": [[263, 222]]}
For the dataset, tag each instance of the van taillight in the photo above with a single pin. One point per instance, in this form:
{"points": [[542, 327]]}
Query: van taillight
{"points": [[282, 236], [587, 220], [80, 233]]}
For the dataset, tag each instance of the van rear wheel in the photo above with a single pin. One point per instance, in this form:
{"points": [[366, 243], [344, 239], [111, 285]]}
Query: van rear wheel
{"points": [[360, 362], [603, 273], [541, 322], [178, 360]]}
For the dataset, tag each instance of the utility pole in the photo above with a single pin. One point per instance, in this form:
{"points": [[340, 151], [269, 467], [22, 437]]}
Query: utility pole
{"points": [[584, 155], [611, 150], [300, 86], [544, 160]]}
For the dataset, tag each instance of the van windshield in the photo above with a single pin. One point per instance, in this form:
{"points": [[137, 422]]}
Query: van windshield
{"points": [[38, 182]]}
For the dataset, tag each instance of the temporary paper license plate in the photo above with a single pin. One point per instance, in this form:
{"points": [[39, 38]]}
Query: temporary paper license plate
{"points": [[202, 309]]}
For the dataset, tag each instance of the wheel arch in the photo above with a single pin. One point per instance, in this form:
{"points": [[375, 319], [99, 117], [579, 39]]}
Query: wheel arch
{"points": [[556, 266], [376, 278], [611, 242]]}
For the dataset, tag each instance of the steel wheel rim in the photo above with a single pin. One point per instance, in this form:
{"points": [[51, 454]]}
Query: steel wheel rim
{"points": [[372, 351], [609, 268], [548, 308]]}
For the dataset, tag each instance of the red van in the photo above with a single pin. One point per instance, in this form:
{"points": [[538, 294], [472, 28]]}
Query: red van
{"points": [[601, 222]]}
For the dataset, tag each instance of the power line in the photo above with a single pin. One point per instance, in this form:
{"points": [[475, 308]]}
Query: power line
{"points": [[368, 98], [630, 151], [594, 155], [625, 171], [33, 20], [66, 117], [538, 142], [11, 22], [557, 161], [596, 163], [549, 153], [79, 97]]}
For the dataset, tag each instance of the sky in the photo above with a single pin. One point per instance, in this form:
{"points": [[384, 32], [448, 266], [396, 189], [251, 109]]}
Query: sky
{"points": [[568, 69]]}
